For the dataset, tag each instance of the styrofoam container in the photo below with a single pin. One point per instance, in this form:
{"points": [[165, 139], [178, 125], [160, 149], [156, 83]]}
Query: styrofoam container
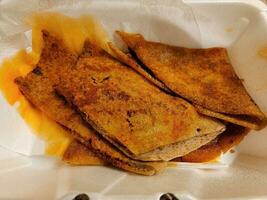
{"points": [[241, 26]]}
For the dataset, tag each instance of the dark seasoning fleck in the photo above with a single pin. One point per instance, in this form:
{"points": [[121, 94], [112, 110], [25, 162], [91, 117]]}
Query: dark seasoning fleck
{"points": [[37, 71]]}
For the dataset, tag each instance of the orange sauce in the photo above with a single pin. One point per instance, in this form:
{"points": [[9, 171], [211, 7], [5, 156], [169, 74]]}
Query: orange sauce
{"points": [[19, 65], [215, 160], [73, 32], [262, 52]]}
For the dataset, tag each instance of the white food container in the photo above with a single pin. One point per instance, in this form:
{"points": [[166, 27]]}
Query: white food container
{"points": [[241, 26]]}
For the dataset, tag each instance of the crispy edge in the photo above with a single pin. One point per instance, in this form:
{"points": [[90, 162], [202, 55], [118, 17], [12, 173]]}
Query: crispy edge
{"points": [[78, 154], [129, 61], [233, 119], [142, 168]]}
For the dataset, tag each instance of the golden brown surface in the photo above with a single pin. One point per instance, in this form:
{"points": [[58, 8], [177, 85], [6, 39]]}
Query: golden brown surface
{"points": [[128, 60], [126, 109], [78, 154], [205, 77], [37, 86], [243, 120]]}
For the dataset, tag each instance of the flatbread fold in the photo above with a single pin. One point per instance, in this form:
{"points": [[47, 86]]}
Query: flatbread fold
{"points": [[205, 77], [38, 88], [139, 119]]}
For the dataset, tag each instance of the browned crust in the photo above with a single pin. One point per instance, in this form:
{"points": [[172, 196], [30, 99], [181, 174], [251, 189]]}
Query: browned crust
{"points": [[78, 154], [202, 76], [246, 121], [126, 109], [128, 60]]}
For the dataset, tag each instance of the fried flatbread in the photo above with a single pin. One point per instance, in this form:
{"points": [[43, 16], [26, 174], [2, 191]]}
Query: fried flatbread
{"points": [[204, 77], [128, 111], [37, 87]]}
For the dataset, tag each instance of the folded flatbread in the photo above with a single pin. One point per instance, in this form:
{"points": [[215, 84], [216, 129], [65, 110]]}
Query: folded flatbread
{"points": [[37, 87], [205, 77], [138, 118]]}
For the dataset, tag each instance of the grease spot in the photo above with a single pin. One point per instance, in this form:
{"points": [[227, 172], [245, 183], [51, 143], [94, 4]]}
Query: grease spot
{"points": [[262, 52], [73, 32], [229, 29]]}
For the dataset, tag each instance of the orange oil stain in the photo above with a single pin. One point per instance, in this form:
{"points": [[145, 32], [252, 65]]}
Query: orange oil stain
{"points": [[262, 52], [229, 29], [56, 137], [73, 32], [215, 160]]}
